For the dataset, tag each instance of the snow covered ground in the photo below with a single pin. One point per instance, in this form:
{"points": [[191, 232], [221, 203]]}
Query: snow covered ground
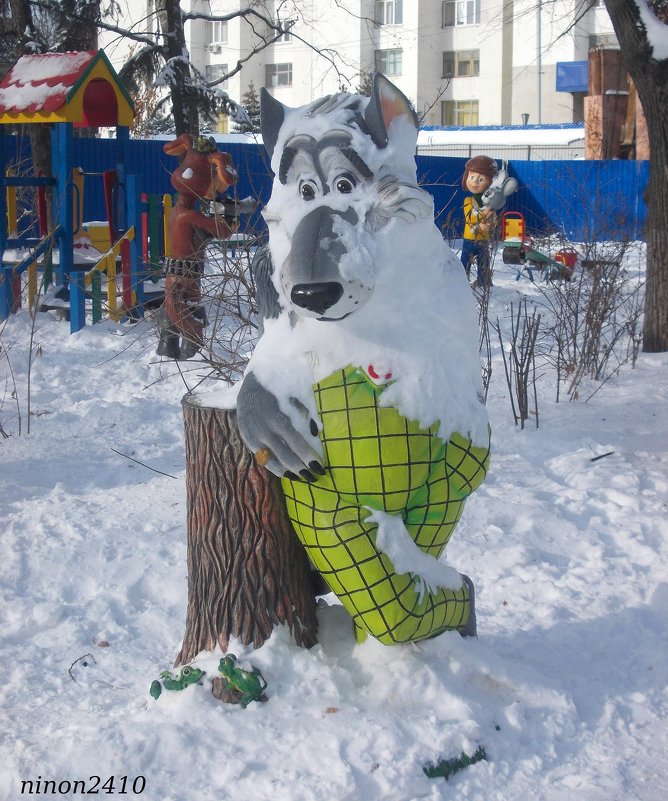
{"points": [[565, 688]]}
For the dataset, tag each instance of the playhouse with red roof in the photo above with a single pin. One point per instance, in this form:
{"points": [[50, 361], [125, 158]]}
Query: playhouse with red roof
{"points": [[81, 88]]}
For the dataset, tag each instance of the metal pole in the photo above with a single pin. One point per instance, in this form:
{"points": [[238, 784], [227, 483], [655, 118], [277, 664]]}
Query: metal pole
{"points": [[539, 61]]}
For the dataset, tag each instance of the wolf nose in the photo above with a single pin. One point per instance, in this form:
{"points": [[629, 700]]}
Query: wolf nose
{"points": [[317, 297]]}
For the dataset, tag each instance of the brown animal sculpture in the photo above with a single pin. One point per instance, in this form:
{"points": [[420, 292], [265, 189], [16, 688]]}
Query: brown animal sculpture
{"points": [[203, 173]]}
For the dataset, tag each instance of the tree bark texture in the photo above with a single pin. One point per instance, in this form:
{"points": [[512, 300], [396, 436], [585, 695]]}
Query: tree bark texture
{"points": [[650, 77], [247, 571], [184, 100]]}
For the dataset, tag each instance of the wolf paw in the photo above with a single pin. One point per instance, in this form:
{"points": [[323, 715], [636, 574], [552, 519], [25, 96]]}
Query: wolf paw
{"points": [[270, 434]]}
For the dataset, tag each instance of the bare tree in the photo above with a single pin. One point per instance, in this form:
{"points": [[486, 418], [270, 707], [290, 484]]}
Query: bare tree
{"points": [[592, 321], [519, 362], [162, 59], [641, 28]]}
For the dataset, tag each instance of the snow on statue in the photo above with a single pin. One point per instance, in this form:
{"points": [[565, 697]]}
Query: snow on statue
{"points": [[364, 390]]}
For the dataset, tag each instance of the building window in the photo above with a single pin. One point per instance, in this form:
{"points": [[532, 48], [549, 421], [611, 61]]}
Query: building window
{"points": [[468, 63], [214, 72], [278, 75], [449, 60], [459, 112], [389, 12], [389, 61], [460, 12], [287, 36], [216, 32], [461, 64]]}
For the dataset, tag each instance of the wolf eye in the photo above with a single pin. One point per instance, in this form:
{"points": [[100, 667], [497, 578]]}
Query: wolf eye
{"points": [[345, 184], [307, 190]]}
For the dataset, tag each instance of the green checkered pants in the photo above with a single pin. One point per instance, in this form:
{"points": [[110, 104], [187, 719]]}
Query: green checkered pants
{"points": [[377, 459]]}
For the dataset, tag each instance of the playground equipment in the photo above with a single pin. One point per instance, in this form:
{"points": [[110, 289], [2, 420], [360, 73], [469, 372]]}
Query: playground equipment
{"points": [[518, 249], [66, 91]]}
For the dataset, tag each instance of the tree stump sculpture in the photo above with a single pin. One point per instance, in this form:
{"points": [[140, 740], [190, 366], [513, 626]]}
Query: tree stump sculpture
{"points": [[247, 571]]}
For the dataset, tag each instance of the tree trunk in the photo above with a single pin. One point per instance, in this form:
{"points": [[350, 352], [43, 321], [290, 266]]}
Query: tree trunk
{"points": [[650, 77], [655, 329], [184, 100], [247, 571]]}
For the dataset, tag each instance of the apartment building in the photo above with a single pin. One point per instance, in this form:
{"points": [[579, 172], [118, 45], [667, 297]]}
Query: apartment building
{"points": [[461, 62]]}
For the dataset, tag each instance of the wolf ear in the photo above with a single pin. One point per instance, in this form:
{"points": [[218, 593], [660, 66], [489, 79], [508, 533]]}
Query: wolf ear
{"points": [[272, 114], [387, 104]]}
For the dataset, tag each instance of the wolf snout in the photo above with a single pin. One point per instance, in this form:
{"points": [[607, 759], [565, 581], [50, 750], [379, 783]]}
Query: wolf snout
{"points": [[317, 297], [323, 274]]}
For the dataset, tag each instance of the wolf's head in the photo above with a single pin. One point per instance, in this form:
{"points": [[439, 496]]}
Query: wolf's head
{"points": [[494, 197], [344, 171]]}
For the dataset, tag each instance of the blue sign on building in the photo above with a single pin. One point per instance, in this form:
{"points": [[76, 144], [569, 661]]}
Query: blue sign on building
{"points": [[572, 76]]}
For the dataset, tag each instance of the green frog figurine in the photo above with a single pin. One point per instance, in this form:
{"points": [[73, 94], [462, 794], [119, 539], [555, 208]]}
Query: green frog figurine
{"points": [[187, 676], [236, 685]]}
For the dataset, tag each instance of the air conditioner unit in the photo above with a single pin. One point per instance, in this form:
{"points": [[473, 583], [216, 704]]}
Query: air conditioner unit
{"points": [[215, 48]]}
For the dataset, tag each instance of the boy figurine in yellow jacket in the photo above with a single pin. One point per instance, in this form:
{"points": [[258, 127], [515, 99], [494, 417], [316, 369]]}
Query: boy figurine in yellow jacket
{"points": [[479, 221]]}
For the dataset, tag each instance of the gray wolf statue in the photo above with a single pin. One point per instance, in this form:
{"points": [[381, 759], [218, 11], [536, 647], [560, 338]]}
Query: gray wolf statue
{"points": [[364, 390]]}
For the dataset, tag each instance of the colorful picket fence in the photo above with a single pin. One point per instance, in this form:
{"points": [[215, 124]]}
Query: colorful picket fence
{"points": [[112, 287]]}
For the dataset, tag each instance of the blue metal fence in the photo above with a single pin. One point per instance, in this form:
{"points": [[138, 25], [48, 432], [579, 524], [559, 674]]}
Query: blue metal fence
{"points": [[581, 199], [584, 200]]}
